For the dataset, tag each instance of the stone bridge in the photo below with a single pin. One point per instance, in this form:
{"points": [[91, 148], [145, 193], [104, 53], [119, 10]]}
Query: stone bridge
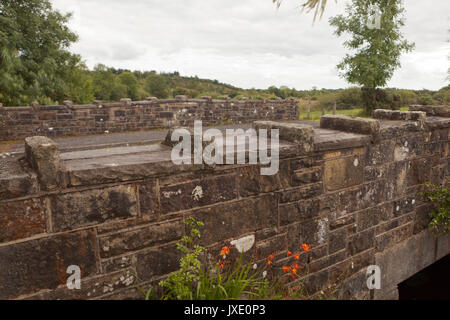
{"points": [[349, 187]]}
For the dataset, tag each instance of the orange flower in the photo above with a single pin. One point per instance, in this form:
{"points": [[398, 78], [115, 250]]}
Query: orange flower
{"points": [[296, 266], [269, 262], [305, 247], [286, 269], [294, 271], [221, 264], [225, 250], [270, 257], [289, 253], [296, 257]]}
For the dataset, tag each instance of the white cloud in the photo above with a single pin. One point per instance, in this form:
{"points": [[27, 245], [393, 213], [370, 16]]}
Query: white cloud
{"points": [[245, 43]]}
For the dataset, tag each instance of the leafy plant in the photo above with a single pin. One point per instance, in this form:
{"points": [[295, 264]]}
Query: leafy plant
{"points": [[226, 279], [181, 285], [440, 216]]}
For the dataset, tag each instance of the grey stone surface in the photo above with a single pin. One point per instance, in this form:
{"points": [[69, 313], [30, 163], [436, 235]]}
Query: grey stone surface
{"points": [[349, 124], [439, 111], [404, 260], [399, 115], [43, 156]]}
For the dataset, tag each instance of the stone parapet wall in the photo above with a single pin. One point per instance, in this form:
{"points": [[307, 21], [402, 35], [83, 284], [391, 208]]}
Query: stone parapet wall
{"points": [[354, 200], [54, 121]]}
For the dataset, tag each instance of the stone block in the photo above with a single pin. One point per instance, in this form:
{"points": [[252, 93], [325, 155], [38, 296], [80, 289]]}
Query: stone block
{"points": [[343, 173], [275, 245], [38, 264], [197, 193], [301, 193], [149, 198], [399, 115], [337, 240], [438, 111], [251, 182], [380, 153], [361, 241], [301, 134], [15, 186], [309, 175], [349, 124], [43, 156], [126, 101], [156, 234], [181, 97], [234, 219], [79, 209], [96, 286], [298, 211], [394, 236], [157, 262], [22, 219]]}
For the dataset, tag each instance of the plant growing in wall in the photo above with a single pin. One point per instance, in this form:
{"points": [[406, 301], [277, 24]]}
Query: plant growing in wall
{"points": [[440, 216], [226, 278]]}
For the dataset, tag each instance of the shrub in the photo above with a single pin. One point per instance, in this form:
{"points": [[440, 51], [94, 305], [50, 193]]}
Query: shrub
{"points": [[227, 278], [440, 217]]}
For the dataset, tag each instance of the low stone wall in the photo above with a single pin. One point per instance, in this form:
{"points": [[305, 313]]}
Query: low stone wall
{"points": [[54, 121], [354, 199]]}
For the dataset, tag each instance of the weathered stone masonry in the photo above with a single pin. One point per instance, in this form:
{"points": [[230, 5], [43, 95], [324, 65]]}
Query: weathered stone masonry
{"points": [[354, 197], [54, 121]]}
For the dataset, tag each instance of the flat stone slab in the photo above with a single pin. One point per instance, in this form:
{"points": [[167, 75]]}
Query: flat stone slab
{"points": [[327, 139]]}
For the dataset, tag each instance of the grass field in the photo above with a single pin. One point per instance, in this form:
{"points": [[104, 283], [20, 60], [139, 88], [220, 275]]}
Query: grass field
{"points": [[316, 114]]}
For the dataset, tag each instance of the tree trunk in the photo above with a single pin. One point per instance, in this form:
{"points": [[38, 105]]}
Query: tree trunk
{"points": [[369, 98]]}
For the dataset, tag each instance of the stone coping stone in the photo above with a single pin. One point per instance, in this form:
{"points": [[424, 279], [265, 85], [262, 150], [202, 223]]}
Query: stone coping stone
{"points": [[22, 108], [437, 123], [327, 139], [349, 124], [437, 111], [300, 134], [399, 115], [42, 154], [129, 103], [136, 163]]}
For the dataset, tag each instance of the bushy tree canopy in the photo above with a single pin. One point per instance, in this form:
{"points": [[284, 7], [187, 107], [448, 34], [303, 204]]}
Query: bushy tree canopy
{"points": [[35, 63], [375, 49]]}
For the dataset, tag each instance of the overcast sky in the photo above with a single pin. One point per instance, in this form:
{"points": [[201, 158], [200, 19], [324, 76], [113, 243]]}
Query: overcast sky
{"points": [[246, 43]]}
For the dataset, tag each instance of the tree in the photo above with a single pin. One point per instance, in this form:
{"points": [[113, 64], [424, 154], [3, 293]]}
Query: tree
{"points": [[34, 59], [131, 84], [157, 86], [80, 86], [377, 49]]}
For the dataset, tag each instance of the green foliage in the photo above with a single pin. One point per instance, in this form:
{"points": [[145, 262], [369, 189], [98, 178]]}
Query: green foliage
{"points": [[349, 98], [181, 285], [130, 83], [197, 279], [35, 63], [107, 86], [157, 86], [194, 282], [425, 99], [235, 283], [377, 51], [440, 216], [326, 101]]}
